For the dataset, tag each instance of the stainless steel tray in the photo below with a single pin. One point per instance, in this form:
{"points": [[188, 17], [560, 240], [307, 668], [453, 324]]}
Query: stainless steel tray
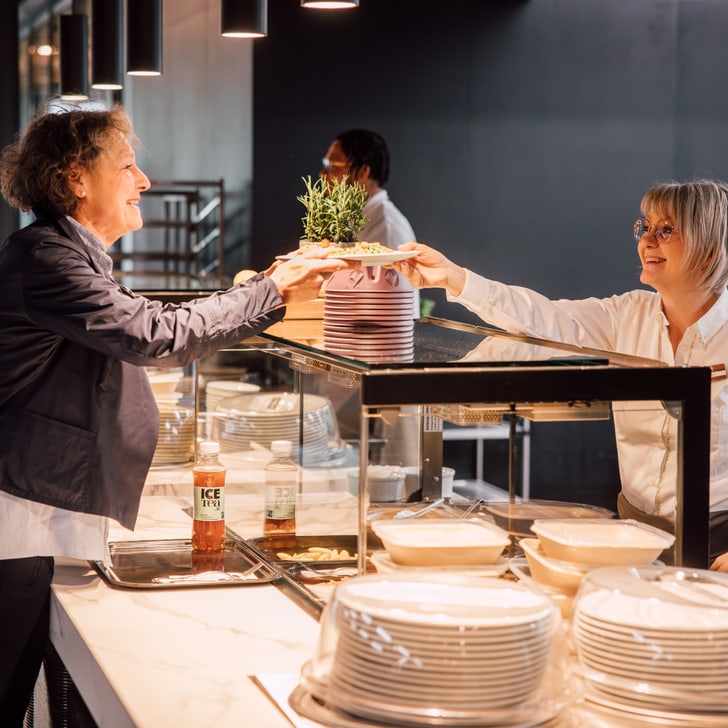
{"points": [[171, 564]]}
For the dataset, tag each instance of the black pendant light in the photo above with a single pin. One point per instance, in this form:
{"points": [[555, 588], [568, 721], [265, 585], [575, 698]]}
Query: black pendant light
{"points": [[244, 18], [329, 4], [107, 51], [74, 57], [144, 37]]}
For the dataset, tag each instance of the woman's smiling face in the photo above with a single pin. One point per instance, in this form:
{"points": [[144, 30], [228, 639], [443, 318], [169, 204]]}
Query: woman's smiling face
{"points": [[662, 256], [108, 194]]}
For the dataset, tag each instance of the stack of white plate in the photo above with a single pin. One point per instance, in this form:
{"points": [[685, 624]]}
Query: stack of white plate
{"points": [[368, 315], [412, 648], [263, 417], [176, 439], [220, 389], [654, 641]]}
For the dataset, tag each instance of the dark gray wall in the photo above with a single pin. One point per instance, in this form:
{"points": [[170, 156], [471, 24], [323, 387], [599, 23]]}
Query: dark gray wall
{"points": [[522, 133]]}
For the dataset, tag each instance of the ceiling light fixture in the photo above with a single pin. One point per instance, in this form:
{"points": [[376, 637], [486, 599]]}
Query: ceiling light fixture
{"points": [[107, 51], [144, 37], [244, 18], [74, 57], [329, 4]]}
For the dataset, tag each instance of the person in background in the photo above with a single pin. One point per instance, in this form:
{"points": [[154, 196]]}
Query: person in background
{"points": [[682, 243], [363, 156], [78, 420]]}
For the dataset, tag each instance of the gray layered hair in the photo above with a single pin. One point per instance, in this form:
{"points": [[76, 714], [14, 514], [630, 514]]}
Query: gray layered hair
{"points": [[699, 210]]}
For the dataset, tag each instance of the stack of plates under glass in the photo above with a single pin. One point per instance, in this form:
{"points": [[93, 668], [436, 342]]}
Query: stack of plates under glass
{"points": [[369, 315], [653, 641], [220, 389], [176, 439], [263, 417], [435, 649]]}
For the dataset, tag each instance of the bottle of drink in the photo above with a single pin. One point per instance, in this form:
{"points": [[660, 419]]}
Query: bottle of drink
{"points": [[281, 489], [208, 524]]}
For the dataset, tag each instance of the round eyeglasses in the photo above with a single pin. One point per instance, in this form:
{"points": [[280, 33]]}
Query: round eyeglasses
{"points": [[328, 166], [662, 234]]}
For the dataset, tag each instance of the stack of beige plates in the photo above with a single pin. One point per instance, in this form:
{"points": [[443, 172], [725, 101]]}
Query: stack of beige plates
{"points": [[435, 650], [653, 641], [176, 440], [261, 418], [368, 315]]}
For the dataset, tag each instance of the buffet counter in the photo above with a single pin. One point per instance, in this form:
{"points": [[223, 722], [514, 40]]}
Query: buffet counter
{"points": [[197, 656]]}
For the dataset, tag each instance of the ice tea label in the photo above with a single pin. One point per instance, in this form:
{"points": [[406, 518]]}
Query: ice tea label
{"points": [[280, 501], [209, 504]]}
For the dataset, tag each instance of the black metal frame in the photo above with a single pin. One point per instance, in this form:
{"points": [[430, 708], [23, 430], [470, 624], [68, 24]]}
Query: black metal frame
{"points": [[425, 384]]}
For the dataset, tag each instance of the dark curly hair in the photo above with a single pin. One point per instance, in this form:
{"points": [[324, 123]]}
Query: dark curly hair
{"points": [[35, 169], [361, 146]]}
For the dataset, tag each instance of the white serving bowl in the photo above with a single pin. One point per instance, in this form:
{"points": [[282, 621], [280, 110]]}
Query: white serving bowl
{"points": [[565, 575], [601, 542], [385, 482], [441, 541]]}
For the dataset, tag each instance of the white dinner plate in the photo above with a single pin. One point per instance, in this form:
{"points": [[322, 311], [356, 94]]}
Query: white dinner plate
{"points": [[377, 258]]}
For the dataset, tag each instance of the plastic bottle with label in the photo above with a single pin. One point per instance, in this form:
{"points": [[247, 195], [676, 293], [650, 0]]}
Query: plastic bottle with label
{"points": [[281, 489], [208, 524]]}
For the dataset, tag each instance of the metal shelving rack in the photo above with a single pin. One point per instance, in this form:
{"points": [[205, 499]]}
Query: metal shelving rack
{"points": [[184, 230]]}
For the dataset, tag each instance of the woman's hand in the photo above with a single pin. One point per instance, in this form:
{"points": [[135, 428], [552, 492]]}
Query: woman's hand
{"points": [[720, 563], [300, 278], [431, 269]]}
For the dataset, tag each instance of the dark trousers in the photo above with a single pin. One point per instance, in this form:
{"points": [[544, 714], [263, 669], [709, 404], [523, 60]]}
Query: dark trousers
{"points": [[24, 623]]}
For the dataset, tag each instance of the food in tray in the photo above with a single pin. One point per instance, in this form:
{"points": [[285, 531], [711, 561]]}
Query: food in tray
{"points": [[317, 553]]}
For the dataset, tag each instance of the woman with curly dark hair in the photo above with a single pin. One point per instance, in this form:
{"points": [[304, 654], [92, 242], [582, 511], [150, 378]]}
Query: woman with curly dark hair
{"points": [[78, 420]]}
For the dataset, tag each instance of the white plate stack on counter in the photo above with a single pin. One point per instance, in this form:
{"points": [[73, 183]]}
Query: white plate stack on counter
{"points": [[435, 649], [652, 643]]}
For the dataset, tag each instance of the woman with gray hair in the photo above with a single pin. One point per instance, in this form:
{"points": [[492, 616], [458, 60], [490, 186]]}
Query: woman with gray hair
{"points": [[682, 242], [78, 420]]}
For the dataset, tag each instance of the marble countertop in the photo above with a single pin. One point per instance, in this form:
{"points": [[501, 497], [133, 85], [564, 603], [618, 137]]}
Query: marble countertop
{"points": [[184, 657]]}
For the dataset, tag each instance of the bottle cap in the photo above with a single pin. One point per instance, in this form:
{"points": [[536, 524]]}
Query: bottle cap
{"points": [[281, 447], [209, 447]]}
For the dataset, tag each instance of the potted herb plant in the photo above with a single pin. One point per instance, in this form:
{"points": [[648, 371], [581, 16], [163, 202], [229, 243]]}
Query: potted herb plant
{"points": [[334, 210]]}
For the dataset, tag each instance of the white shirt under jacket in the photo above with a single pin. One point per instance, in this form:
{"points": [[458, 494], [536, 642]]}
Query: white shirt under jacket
{"points": [[630, 323], [385, 223]]}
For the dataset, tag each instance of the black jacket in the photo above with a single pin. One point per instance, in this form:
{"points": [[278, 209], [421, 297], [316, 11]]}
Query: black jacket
{"points": [[78, 421]]}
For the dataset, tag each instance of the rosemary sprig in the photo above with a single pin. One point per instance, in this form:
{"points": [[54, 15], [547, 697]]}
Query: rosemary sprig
{"points": [[334, 210]]}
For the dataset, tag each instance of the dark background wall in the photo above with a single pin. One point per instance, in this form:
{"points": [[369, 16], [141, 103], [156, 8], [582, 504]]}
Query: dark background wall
{"points": [[522, 134]]}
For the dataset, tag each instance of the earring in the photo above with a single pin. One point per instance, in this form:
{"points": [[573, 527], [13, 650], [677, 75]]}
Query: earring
{"points": [[82, 195]]}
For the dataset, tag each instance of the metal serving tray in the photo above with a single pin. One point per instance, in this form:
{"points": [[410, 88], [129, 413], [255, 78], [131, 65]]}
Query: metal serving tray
{"points": [[171, 564]]}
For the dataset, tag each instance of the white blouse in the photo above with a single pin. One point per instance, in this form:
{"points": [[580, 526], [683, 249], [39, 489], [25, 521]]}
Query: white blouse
{"points": [[631, 323]]}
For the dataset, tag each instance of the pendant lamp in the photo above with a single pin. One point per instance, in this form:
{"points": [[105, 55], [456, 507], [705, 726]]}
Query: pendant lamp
{"points": [[74, 57], [144, 37], [329, 4], [244, 18], [107, 51]]}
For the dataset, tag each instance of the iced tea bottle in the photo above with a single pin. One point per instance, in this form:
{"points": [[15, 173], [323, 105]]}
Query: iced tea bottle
{"points": [[281, 489], [208, 524]]}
